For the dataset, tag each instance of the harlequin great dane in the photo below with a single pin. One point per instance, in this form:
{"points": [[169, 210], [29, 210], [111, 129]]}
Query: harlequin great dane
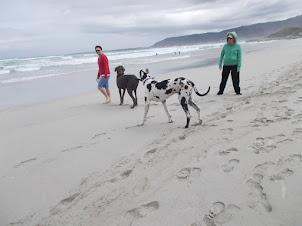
{"points": [[161, 91]]}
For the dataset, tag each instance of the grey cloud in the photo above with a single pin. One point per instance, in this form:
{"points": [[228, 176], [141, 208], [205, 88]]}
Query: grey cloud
{"points": [[57, 22]]}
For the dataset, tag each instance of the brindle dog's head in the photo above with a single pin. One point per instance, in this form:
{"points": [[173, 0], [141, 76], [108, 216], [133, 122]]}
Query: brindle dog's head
{"points": [[119, 70]]}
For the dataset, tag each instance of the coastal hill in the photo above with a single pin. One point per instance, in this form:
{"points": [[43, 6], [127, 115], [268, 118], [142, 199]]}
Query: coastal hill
{"points": [[288, 33], [250, 32]]}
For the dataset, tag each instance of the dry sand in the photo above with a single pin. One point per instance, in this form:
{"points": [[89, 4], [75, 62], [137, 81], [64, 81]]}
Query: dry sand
{"points": [[76, 161]]}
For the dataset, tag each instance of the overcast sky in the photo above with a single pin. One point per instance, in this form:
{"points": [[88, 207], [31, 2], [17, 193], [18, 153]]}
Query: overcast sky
{"points": [[50, 27]]}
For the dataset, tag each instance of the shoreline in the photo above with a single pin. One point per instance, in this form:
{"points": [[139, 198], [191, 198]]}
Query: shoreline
{"points": [[82, 162], [14, 95]]}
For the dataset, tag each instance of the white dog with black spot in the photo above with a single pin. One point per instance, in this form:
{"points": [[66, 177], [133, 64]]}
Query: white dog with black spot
{"points": [[161, 91]]}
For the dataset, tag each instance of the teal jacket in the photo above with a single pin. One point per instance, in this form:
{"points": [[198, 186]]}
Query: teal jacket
{"points": [[231, 54]]}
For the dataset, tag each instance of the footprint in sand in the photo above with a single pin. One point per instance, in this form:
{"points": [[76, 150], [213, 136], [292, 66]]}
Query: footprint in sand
{"points": [[261, 121], [182, 137], [282, 175], [126, 174], [228, 151], [150, 153], [219, 214], [24, 162], [186, 174], [299, 116], [278, 171], [122, 176], [255, 199], [227, 130], [98, 135], [72, 149], [262, 168], [285, 141], [148, 156], [284, 114], [140, 187], [294, 160], [256, 196], [298, 132], [141, 211], [62, 204], [268, 144], [229, 166]]}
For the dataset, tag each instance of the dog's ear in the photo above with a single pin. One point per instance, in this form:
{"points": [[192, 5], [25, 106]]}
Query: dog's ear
{"points": [[115, 69], [142, 74], [147, 70], [123, 69]]}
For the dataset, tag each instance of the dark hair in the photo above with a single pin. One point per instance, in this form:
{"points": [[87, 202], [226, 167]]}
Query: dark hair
{"points": [[98, 47]]}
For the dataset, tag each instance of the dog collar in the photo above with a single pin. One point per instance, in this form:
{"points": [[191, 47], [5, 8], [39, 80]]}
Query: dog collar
{"points": [[146, 80]]}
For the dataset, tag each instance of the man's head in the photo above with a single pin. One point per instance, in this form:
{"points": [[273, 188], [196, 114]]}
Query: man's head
{"points": [[98, 50]]}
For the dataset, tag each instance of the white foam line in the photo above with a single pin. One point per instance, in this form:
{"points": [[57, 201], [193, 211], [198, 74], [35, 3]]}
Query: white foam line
{"points": [[14, 80]]}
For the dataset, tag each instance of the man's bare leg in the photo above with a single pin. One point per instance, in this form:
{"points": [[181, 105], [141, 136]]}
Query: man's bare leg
{"points": [[103, 91], [108, 94]]}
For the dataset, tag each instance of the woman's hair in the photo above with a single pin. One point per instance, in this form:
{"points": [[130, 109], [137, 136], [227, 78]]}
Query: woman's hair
{"points": [[98, 47]]}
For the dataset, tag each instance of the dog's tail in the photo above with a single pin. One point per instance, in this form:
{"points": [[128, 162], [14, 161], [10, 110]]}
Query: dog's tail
{"points": [[201, 94]]}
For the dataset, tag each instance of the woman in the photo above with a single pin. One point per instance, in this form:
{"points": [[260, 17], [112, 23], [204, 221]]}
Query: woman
{"points": [[103, 74], [231, 57]]}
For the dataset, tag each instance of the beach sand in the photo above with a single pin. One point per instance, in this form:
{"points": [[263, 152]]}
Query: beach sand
{"points": [[76, 161]]}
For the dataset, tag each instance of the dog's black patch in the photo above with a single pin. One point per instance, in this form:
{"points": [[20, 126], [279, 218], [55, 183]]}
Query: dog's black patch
{"points": [[162, 84], [186, 87], [169, 91], [184, 104], [157, 97], [188, 122], [149, 87], [143, 75], [145, 99], [153, 82], [181, 78]]}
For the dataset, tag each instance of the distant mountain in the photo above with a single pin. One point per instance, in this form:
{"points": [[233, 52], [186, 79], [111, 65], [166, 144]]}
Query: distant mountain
{"points": [[244, 33], [287, 33]]}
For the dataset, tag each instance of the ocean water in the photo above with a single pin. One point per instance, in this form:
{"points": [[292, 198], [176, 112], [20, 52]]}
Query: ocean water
{"points": [[30, 80], [26, 69]]}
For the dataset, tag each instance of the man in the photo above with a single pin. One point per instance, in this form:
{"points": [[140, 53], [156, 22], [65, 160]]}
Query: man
{"points": [[103, 74], [231, 57]]}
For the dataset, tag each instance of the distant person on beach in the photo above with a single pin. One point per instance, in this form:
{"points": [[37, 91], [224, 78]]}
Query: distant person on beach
{"points": [[231, 57], [103, 74]]}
